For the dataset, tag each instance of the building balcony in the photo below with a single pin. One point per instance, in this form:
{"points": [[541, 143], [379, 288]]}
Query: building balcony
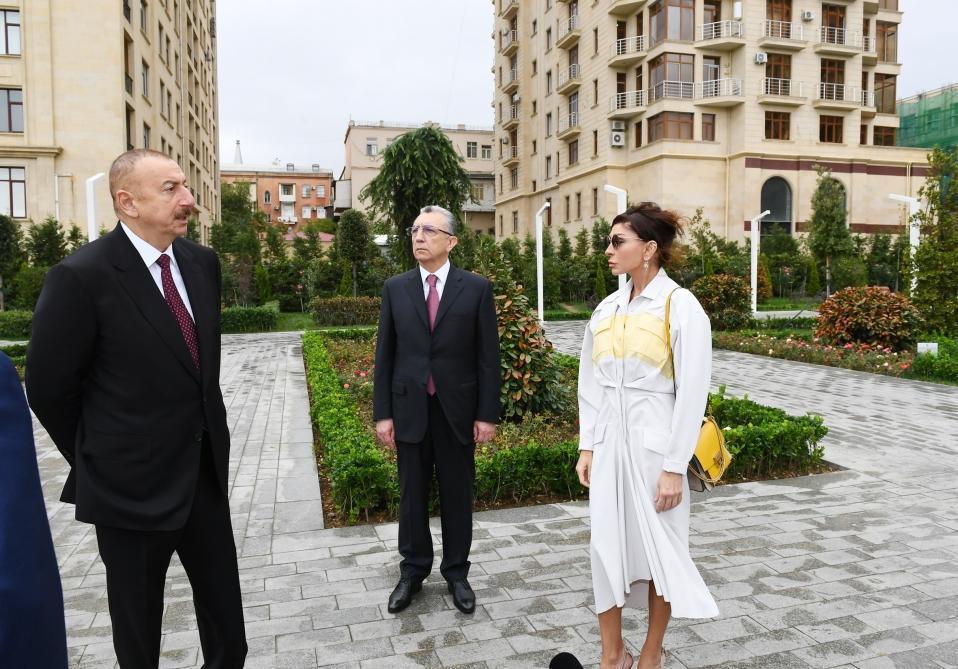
{"points": [[721, 35], [783, 35], [627, 104], [511, 156], [288, 220], [627, 51], [569, 79], [511, 117], [625, 7], [868, 103], [672, 90], [569, 126], [287, 199], [782, 92], [870, 6], [128, 83], [837, 96], [869, 50], [510, 42], [838, 42], [569, 32], [511, 83], [509, 8], [719, 93]]}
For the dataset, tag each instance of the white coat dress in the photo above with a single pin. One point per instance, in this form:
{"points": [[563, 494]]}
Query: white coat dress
{"points": [[639, 423]]}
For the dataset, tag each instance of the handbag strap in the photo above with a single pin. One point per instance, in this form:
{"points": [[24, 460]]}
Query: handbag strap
{"points": [[668, 346]]}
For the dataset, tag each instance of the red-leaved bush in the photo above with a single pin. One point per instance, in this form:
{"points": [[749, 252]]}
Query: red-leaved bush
{"points": [[869, 315]]}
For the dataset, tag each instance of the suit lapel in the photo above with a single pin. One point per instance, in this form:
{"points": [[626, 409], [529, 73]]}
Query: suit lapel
{"points": [[137, 281], [198, 291], [449, 294], [415, 289]]}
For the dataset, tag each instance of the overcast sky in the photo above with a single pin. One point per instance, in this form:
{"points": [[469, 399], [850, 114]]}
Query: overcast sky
{"points": [[293, 72]]}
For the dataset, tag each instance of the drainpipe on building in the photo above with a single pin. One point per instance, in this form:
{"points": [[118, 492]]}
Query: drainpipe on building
{"points": [[727, 166], [91, 227]]}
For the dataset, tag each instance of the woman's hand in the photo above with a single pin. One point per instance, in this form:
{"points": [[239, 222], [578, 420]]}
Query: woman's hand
{"points": [[668, 492], [584, 468]]}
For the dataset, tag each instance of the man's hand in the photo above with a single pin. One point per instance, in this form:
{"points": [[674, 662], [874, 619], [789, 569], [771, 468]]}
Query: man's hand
{"points": [[386, 433], [584, 468], [668, 493], [483, 432]]}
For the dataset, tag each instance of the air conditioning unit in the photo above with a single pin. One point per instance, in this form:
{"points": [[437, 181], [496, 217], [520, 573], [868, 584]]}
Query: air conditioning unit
{"points": [[737, 10], [618, 126], [761, 58], [505, 140], [808, 15], [617, 138], [515, 97]]}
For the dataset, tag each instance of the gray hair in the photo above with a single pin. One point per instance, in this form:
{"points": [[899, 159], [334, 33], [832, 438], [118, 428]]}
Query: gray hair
{"points": [[451, 222]]}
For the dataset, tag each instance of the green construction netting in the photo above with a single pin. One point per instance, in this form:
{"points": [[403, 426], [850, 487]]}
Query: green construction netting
{"points": [[930, 119]]}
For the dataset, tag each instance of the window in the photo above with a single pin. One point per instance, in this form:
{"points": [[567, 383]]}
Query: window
{"points": [[708, 127], [863, 135], [548, 167], [306, 190], [595, 201], [672, 20], [535, 67], [372, 147], [830, 129], [573, 152], [535, 147], [472, 150], [514, 178], [487, 152], [566, 219], [885, 93], [159, 41], [548, 82], [320, 191], [146, 136], [672, 75], [162, 99], [10, 36], [267, 198], [670, 125], [712, 11], [475, 191], [549, 124], [286, 189], [887, 41], [777, 125], [578, 206], [11, 110], [885, 136], [595, 91], [515, 222], [535, 26], [305, 212], [638, 134], [595, 41], [778, 74], [535, 107], [777, 199], [779, 10], [143, 15], [595, 142], [145, 73], [13, 192], [533, 185], [833, 79], [501, 228], [548, 39]]}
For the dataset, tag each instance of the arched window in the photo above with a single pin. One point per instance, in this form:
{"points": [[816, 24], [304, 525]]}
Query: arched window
{"points": [[266, 197], [777, 198]]}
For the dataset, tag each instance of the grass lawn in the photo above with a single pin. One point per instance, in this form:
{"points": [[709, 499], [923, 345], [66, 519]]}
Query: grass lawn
{"points": [[790, 304], [295, 320]]}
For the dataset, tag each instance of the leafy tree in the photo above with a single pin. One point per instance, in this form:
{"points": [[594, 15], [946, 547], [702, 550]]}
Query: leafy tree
{"points": [[75, 239], [46, 243], [419, 168], [236, 240], [828, 236], [565, 246], [353, 241], [582, 243], [463, 255], [813, 283], [600, 232], [12, 254], [601, 291], [764, 280], [936, 260], [193, 230]]}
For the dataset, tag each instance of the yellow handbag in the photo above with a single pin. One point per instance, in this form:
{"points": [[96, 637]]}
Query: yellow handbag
{"points": [[711, 457]]}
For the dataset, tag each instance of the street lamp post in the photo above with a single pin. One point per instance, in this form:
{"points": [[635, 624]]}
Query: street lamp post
{"points": [[754, 236], [539, 213], [92, 229], [914, 230], [621, 204]]}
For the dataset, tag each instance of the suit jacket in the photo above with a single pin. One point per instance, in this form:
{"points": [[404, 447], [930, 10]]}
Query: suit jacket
{"points": [[462, 353], [111, 379], [32, 630]]}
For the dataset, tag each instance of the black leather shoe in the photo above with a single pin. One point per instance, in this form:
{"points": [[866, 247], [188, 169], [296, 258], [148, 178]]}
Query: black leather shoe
{"points": [[402, 594], [462, 595]]}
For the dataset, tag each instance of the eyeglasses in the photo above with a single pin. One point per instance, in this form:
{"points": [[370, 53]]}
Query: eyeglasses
{"points": [[618, 240], [428, 230]]}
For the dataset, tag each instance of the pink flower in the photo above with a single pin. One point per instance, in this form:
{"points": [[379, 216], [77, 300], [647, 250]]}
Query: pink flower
{"points": [[345, 385]]}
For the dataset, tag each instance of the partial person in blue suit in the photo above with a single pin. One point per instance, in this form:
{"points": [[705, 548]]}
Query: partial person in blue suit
{"points": [[32, 630]]}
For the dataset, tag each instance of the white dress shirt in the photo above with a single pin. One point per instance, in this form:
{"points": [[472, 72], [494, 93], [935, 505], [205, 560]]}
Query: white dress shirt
{"points": [[150, 255], [441, 275]]}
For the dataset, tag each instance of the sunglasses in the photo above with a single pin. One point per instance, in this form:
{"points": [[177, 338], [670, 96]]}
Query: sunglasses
{"points": [[618, 240], [428, 230]]}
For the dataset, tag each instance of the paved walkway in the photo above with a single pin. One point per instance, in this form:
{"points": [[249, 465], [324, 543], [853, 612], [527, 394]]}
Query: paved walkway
{"points": [[853, 569]]}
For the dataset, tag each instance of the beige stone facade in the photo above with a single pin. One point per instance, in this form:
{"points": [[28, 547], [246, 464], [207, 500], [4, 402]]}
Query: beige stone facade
{"points": [[697, 103], [96, 78], [366, 140]]}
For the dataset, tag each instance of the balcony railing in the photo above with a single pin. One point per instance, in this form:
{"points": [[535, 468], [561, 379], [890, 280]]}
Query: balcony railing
{"points": [[870, 45], [509, 39], [672, 89], [510, 154], [512, 79], [840, 37], [784, 30], [509, 6], [868, 99], [568, 122], [783, 87], [287, 199], [568, 76], [719, 88], [511, 116], [628, 45], [627, 100], [721, 30], [838, 93], [567, 29]]}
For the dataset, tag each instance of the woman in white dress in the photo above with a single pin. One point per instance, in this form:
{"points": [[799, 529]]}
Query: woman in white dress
{"points": [[639, 424]]}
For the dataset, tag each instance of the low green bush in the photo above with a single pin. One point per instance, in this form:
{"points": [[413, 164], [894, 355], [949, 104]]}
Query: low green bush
{"points": [[248, 319], [869, 315], [366, 333], [15, 324], [726, 300], [562, 315], [346, 310], [18, 356], [941, 367]]}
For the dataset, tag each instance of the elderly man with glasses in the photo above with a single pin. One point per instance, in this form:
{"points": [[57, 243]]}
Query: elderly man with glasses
{"points": [[436, 395]]}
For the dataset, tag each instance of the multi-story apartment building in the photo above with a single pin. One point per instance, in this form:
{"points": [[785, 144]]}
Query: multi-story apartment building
{"points": [[286, 194], [716, 104], [81, 82], [365, 140]]}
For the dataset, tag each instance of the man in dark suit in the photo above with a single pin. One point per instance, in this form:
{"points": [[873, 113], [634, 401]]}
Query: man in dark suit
{"points": [[436, 395], [32, 630], [123, 372]]}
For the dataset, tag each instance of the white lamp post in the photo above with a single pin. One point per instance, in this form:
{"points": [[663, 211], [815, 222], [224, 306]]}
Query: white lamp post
{"points": [[914, 231], [754, 229], [539, 213], [621, 204], [92, 230]]}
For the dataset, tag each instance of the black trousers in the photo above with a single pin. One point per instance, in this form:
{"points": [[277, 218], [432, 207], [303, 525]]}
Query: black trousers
{"points": [[455, 467], [136, 565]]}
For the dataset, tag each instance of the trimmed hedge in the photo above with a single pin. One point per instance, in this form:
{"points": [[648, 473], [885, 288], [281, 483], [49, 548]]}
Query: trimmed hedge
{"points": [[248, 319], [560, 315], [941, 367], [16, 324], [364, 333], [18, 356], [346, 310]]}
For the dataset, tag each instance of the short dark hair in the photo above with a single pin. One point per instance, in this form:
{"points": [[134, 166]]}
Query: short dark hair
{"points": [[124, 163], [652, 223]]}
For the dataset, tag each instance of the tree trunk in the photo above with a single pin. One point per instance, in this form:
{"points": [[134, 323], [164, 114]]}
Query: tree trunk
{"points": [[355, 283], [828, 277]]}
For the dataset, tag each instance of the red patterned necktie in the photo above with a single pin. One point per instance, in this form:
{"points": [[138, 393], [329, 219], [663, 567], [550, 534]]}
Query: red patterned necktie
{"points": [[432, 308], [175, 303]]}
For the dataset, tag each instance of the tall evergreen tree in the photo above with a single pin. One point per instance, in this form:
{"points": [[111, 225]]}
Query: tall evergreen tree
{"points": [[352, 241], [828, 235], [46, 243]]}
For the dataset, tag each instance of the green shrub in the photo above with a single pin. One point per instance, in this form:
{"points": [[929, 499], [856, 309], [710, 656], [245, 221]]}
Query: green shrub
{"points": [[26, 286], [248, 319], [16, 324], [941, 367], [871, 315], [726, 299], [561, 315], [346, 310], [764, 279], [18, 356], [849, 272], [531, 469], [367, 333]]}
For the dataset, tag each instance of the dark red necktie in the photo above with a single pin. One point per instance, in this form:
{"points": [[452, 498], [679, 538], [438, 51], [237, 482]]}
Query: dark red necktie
{"points": [[432, 307], [175, 303]]}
